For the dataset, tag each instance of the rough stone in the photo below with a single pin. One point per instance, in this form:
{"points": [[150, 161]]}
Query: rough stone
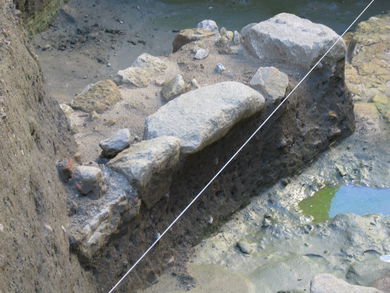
{"points": [[290, 39], [116, 143], [143, 69], [68, 111], [236, 38], [174, 87], [88, 179], [244, 247], [146, 60], [99, 97], [208, 24], [327, 283], [190, 35], [137, 76], [149, 165], [96, 233], [219, 68], [368, 73], [271, 81], [65, 169], [201, 54], [205, 115]]}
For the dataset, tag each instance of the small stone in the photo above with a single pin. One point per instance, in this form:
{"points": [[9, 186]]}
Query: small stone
{"points": [[1, 228], [210, 220], [173, 88], [208, 24], [201, 54], [88, 179], [236, 38], [191, 35], [341, 170], [195, 83], [65, 169], [116, 143], [48, 228], [244, 247], [146, 60], [219, 68], [271, 81]]}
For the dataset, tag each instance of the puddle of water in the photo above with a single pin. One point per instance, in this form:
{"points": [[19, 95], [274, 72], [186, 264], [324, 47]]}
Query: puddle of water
{"points": [[333, 200]]}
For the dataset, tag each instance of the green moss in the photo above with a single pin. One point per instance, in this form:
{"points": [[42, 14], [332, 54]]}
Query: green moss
{"points": [[41, 19], [319, 204]]}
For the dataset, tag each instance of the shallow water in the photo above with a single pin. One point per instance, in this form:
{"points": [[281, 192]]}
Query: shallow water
{"points": [[337, 14], [333, 200]]}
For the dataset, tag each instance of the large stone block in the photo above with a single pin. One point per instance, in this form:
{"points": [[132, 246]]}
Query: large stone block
{"points": [[290, 39], [149, 166], [205, 115]]}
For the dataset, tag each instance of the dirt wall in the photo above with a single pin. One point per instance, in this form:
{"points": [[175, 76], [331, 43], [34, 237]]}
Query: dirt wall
{"points": [[34, 248]]}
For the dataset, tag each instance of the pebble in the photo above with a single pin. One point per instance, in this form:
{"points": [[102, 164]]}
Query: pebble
{"points": [[88, 179], [119, 141], [236, 38], [219, 68], [244, 247], [201, 54], [1, 228]]}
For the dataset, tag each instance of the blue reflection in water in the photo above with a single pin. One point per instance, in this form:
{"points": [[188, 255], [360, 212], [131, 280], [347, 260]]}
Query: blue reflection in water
{"points": [[360, 200]]}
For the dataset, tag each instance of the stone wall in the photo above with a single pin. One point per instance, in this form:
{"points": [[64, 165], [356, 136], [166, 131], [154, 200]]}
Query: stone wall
{"points": [[190, 138]]}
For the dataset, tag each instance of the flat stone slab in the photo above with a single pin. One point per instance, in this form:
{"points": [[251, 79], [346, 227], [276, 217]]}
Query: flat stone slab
{"points": [[149, 166], [290, 39], [203, 116]]}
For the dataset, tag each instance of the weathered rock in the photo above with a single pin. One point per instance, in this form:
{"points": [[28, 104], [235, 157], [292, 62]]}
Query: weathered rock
{"points": [[368, 74], [208, 24], [116, 143], [290, 39], [174, 87], [137, 76], [97, 231], [326, 283], [65, 169], [227, 34], [201, 54], [143, 69], [68, 111], [190, 35], [88, 179], [219, 68], [146, 60], [205, 115], [271, 81], [244, 247], [149, 165], [236, 38], [99, 97]]}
